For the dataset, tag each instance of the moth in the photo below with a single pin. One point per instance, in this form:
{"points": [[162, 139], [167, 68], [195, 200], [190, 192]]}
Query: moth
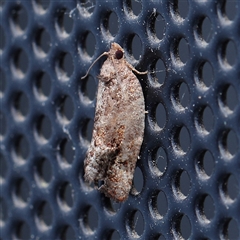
{"points": [[118, 126]]}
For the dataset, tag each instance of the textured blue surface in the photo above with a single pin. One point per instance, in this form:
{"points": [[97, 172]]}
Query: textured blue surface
{"points": [[187, 180]]}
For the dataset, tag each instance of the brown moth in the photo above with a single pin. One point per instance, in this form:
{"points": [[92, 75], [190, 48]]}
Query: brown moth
{"points": [[118, 127]]}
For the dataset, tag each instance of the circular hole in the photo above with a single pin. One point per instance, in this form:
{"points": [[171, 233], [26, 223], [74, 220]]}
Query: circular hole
{"points": [[64, 67], [159, 205], [23, 231], [136, 223], [182, 8], [231, 53], [231, 100], [181, 140], [42, 86], [44, 129], [229, 144], [158, 72], [2, 39], [43, 4], [183, 50], [115, 235], [231, 229], [66, 152], [4, 168], [66, 196], [22, 192], [134, 6], [111, 23], [205, 75], [228, 99], [89, 88], [230, 9], [185, 227], [44, 216], [66, 109], [230, 187], [181, 96], [232, 144], [2, 83], [208, 207], [228, 54], [87, 6], [43, 41], [4, 210], [3, 126], [19, 63], [2, 2], [138, 181], [156, 26], [89, 44], [87, 130], [206, 30], [159, 161], [21, 149], [136, 47], [19, 20], [67, 233], [160, 115], [205, 120], [20, 106], [64, 23], [91, 220], [43, 172], [205, 163], [182, 184], [112, 205]]}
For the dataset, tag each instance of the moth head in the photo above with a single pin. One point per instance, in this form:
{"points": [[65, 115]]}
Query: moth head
{"points": [[116, 51]]}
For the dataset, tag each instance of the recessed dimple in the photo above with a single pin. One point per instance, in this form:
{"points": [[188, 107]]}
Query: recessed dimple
{"points": [[42, 87], [18, 20], [20, 107], [65, 110], [89, 44], [135, 47], [110, 24], [157, 72], [2, 40], [19, 65], [133, 7], [64, 23], [90, 219], [89, 88], [21, 149], [136, 223], [3, 128], [158, 161], [156, 28], [227, 54], [138, 181], [160, 115], [228, 99], [42, 42], [64, 66], [43, 129], [66, 153]]}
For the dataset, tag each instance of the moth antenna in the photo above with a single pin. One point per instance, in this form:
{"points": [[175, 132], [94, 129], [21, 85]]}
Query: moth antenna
{"points": [[105, 53]]}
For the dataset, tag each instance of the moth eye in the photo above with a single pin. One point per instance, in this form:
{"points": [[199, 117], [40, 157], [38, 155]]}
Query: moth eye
{"points": [[118, 54]]}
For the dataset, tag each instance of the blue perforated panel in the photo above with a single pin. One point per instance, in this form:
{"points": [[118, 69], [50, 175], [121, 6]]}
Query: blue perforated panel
{"points": [[187, 181]]}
